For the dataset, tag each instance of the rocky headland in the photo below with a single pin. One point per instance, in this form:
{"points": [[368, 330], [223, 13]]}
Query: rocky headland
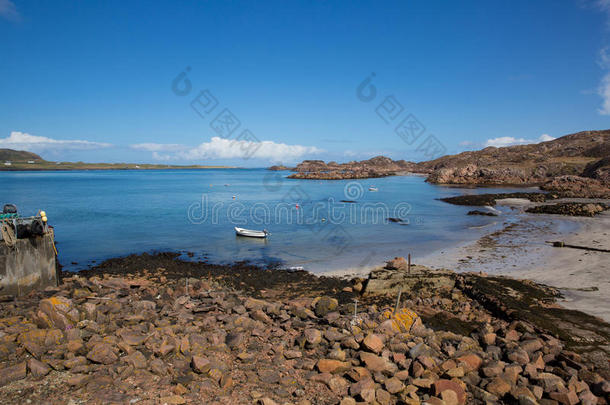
{"points": [[575, 165], [279, 168], [584, 154], [153, 329], [379, 166]]}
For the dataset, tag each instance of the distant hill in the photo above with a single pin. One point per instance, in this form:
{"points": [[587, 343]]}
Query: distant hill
{"points": [[20, 161], [575, 165], [18, 155], [524, 164]]}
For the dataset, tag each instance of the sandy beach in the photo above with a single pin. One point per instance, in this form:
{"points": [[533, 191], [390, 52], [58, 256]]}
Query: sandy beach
{"points": [[521, 250]]}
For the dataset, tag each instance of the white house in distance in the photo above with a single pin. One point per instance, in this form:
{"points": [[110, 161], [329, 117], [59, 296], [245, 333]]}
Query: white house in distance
{"points": [[7, 163], [31, 162]]}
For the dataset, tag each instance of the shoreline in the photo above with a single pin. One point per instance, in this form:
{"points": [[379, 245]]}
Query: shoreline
{"points": [[155, 329], [514, 246], [71, 169], [520, 250]]}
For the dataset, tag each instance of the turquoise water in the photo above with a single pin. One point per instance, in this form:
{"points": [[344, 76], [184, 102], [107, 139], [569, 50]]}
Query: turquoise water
{"points": [[103, 214]]}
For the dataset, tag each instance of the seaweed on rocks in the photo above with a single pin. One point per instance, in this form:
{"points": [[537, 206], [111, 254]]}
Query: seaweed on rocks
{"points": [[490, 199], [240, 275], [572, 209]]}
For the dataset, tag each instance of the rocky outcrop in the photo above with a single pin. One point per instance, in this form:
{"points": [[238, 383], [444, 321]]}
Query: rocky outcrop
{"points": [[572, 209], [599, 170], [525, 164], [482, 213], [379, 166], [584, 156], [474, 174], [577, 187], [180, 334], [279, 168], [490, 199]]}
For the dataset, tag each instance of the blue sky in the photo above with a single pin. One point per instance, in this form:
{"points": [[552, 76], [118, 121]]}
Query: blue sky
{"points": [[92, 80]]}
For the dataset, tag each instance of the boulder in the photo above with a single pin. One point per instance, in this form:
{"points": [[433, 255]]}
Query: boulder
{"points": [[313, 337], [363, 390], [442, 385], [376, 363], [394, 385], [58, 312], [324, 305], [373, 343], [200, 364], [38, 368], [102, 353], [12, 373], [332, 366], [396, 263], [498, 386]]}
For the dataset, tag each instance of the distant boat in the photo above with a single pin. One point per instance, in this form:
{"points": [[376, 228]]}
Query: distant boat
{"points": [[251, 233], [373, 188]]}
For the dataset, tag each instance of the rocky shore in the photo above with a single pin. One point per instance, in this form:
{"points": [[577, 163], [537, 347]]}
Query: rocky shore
{"points": [[572, 163], [379, 166], [153, 329], [573, 209], [579, 209], [575, 165]]}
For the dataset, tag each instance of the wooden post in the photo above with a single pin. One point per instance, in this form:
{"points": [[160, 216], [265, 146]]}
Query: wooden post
{"points": [[409, 264], [397, 301]]}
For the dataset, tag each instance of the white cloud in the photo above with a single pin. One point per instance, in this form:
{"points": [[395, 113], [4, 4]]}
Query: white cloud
{"points": [[603, 60], [545, 138], [24, 141], [604, 92], [603, 4], [8, 10], [158, 147], [220, 148], [509, 141]]}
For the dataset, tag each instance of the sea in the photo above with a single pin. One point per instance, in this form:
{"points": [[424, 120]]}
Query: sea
{"points": [[320, 226]]}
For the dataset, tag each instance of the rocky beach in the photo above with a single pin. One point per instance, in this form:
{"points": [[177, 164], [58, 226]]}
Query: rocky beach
{"points": [[516, 317], [305, 203], [154, 329]]}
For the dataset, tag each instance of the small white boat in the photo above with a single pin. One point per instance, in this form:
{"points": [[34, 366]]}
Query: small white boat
{"points": [[251, 233], [373, 188]]}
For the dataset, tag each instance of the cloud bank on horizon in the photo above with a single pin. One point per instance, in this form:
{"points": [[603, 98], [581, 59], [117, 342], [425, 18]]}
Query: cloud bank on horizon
{"points": [[31, 143], [216, 148], [220, 148]]}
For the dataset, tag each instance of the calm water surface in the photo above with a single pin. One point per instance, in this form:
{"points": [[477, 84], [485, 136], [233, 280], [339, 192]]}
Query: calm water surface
{"points": [[103, 214]]}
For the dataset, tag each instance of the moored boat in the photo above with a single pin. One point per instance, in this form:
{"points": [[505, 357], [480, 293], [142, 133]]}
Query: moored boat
{"points": [[251, 233]]}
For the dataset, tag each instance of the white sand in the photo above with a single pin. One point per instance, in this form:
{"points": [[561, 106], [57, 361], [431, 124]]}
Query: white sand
{"points": [[577, 271], [520, 251]]}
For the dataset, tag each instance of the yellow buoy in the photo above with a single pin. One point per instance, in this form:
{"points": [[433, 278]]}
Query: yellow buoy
{"points": [[43, 214], [44, 219]]}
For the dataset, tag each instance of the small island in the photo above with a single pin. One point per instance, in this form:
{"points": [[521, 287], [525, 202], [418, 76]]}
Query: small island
{"points": [[379, 166]]}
